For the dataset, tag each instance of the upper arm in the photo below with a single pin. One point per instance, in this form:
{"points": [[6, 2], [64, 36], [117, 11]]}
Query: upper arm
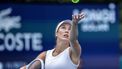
{"points": [[36, 64], [75, 52], [75, 49], [39, 61]]}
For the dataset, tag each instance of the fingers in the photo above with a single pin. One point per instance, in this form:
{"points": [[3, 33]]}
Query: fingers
{"points": [[81, 16], [78, 16]]}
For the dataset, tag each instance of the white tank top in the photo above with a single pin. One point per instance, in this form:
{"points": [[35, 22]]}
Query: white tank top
{"points": [[61, 61]]}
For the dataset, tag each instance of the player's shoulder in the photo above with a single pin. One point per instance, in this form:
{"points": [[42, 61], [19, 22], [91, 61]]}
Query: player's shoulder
{"points": [[42, 55]]}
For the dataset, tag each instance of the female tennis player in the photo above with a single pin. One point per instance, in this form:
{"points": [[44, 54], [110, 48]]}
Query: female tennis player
{"points": [[66, 54]]}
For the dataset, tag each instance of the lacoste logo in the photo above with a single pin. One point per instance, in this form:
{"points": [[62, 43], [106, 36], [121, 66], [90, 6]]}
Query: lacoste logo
{"points": [[8, 22]]}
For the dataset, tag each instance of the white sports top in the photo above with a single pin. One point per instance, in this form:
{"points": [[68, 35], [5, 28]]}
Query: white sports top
{"points": [[61, 61]]}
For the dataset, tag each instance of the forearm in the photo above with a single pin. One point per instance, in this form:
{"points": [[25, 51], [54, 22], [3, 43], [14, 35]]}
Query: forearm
{"points": [[73, 33], [74, 27], [74, 39]]}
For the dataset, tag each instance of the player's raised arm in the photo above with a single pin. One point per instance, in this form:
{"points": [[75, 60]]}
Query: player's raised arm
{"points": [[75, 46]]}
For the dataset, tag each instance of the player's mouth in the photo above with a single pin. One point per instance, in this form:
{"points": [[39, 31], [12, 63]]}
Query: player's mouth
{"points": [[66, 35]]}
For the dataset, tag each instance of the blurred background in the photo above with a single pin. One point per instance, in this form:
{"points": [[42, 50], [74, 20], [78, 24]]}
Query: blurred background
{"points": [[27, 27]]}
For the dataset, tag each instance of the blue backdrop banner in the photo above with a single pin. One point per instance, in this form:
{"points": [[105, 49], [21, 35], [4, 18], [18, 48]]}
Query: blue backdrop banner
{"points": [[28, 29]]}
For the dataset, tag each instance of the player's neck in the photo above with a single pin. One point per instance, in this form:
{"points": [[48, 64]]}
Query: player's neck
{"points": [[62, 43], [61, 46]]}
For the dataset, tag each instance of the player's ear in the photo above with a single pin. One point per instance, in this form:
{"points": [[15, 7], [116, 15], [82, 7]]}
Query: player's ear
{"points": [[56, 34]]}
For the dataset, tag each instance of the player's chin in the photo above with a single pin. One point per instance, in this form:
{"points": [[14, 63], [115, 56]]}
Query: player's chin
{"points": [[66, 39]]}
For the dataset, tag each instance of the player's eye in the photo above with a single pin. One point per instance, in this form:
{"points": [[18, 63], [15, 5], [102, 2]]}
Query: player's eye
{"points": [[63, 27]]}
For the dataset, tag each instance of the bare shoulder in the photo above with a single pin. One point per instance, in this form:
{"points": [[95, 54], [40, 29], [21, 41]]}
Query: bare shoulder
{"points": [[42, 55]]}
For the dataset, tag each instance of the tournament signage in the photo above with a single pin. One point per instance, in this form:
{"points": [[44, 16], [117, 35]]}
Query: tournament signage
{"points": [[18, 41]]}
